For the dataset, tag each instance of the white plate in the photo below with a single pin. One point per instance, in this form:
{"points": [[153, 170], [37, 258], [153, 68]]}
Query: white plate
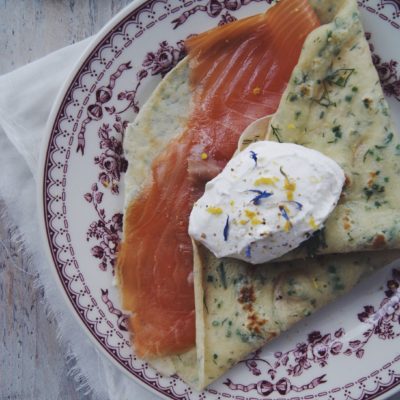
{"points": [[338, 353]]}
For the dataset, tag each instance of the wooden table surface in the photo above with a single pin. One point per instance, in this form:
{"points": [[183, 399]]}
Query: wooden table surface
{"points": [[32, 363]]}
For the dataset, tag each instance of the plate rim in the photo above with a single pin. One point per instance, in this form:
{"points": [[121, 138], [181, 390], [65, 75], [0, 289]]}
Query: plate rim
{"points": [[74, 73], [41, 186]]}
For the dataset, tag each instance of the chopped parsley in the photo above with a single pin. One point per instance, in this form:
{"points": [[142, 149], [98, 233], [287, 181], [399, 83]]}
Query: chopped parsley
{"points": [[367, 103], [373, 190], [340, 77], [351, 239], [314, 243], [367, 153], [276, 132], [371, 152], [349, 98], [222, 275], [337, 131], [313, 302], [205, 302], [388, 139]]}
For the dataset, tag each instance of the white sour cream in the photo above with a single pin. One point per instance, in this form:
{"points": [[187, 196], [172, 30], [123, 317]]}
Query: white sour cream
{"points": [[268, 199]]}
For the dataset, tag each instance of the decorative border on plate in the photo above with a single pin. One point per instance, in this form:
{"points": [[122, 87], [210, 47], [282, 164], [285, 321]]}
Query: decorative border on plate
{"points": [[107, 43], [382, 10], [317, 349], [265, 388]]}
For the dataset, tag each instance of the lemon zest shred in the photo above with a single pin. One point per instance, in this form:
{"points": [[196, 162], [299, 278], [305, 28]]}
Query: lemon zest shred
{"points": [[204, 156], [266, 181], [290, 188], [289, 185], [287, 226], [257, 91], [312, 223], [250, 214], [214, 210], [289, 195]]}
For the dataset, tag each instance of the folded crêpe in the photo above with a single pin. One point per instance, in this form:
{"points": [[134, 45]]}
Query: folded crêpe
{"points": [[333, 103], [229, 89]]}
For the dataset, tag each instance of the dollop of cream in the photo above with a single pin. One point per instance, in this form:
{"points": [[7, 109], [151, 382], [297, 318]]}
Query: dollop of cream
{"points": [[268, 199]]}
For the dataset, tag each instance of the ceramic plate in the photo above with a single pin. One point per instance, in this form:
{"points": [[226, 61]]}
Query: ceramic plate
{"points": [[349, 350]]}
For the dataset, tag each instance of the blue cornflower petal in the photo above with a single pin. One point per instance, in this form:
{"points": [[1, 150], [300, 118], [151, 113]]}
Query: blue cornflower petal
{"points": [[226, 229]]}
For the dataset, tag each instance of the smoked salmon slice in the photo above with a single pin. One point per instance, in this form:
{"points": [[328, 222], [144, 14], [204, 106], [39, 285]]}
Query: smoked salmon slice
{"points": [[238, 73]]}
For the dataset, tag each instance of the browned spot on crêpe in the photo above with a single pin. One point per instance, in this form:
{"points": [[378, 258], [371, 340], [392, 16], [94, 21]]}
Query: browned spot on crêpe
{"points": [[246, 295], [347, 181], [379, 241], [346, 223], [255, 323], [372, 178]]}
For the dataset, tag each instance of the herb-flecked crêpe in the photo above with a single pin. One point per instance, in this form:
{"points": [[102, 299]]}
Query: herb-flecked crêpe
{"points": [[333, 103]]}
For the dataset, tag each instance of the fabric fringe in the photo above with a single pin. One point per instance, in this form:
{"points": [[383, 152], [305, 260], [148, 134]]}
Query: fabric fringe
{"points": [[41, 283]]}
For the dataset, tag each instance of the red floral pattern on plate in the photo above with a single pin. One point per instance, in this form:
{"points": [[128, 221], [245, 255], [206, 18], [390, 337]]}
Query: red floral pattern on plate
{"points": [[317, 349], [387, 71]]}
